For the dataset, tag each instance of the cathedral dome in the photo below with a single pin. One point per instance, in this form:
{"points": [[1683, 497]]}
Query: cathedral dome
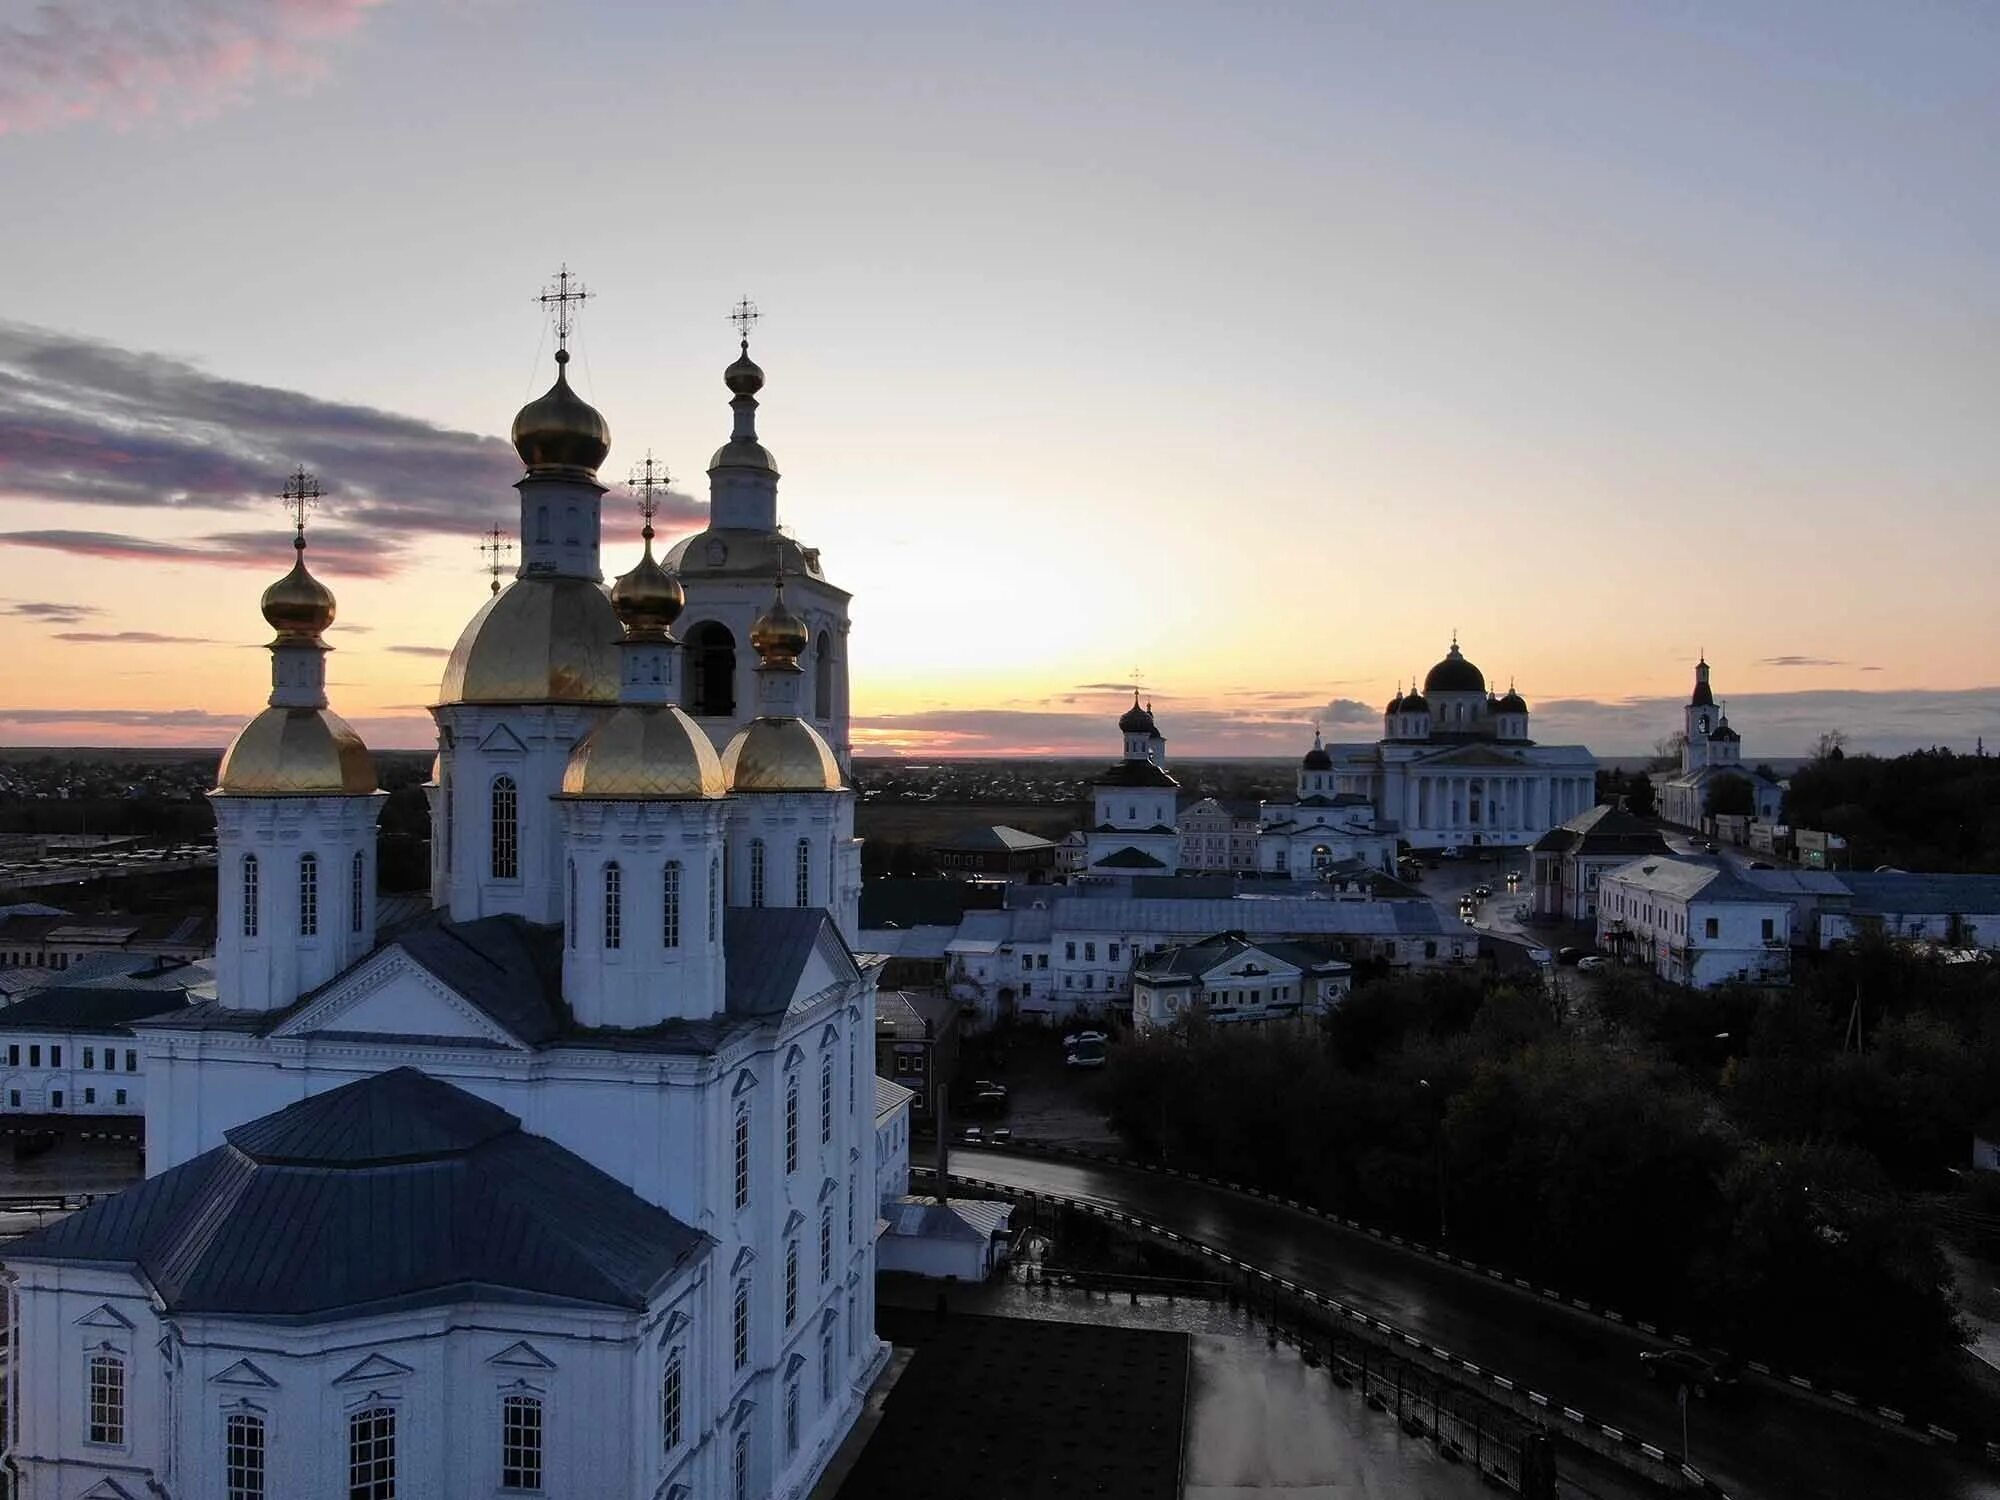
{"points": [[544, 638], [780, 755], [561, 431], [644, 750], [730, 552], [1136, 720], [298, 606], [1413, 703], [779, 635], [1317, 759], [296, 752], [1395, 703], [1454, 675], [744, 377], [1513, 703], [648, 599]]}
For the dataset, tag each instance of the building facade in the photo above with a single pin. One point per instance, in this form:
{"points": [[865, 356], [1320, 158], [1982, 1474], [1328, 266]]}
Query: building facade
{"points": [[1694, 922], [1219, 836], [1232, 981], [1711, 754], [1132, 828], [1570, 860]]}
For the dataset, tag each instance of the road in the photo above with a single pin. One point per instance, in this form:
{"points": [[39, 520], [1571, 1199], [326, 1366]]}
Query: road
{"points": [[1765, 1445]]}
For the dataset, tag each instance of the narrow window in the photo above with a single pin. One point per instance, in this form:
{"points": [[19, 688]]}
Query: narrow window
{"points": [[670, 1402], [804, 893], [791, 1282], [614, 906], [740, 1486], [670, 905], [756, 872], [506, 829], [823, 676], [308, 895], [572, 905], [55, 1055], [826, 1370], [357, 891], [792, 1123], [826, 1101], [714, 895], [742, 1159], [521, 1443], [791, 1417], [120, 1100], [243, 1457], [371, 1454], [249, 895], [107, 1399], [826, 1244], [131, 1060], [740, 1323]]}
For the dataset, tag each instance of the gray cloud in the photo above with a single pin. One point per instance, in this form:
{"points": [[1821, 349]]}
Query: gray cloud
{"points": [[49, 612], [1799, 661], [87, 423], [130, 638], [421, 650], [1349, 711]]}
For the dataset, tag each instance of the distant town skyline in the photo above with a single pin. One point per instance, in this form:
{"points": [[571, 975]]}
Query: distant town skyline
{"points": [[1262, 357]]}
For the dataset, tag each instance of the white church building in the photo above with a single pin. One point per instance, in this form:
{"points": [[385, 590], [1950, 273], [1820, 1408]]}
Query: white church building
{"points": [[1455, 766], [1711, 754], [567, 1187]]}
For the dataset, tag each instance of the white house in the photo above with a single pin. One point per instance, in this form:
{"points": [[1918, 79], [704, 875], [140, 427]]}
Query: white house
{"points": [[1711, 753], [1694, 922], [1951, 911], [1232, 980], [1569, 860], [71, 1050], [563, 1188], [1321, 831]]}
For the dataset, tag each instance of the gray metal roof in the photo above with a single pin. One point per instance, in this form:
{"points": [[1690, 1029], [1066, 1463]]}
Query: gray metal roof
{"points": [[1277, 916], [890, 1096], [1690, 879], [1913, 892], [396, 1189], [89, 1008], [1192, 960], [995, 839]]}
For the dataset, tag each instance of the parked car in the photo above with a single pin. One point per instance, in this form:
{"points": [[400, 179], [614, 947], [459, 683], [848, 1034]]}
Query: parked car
{"points": [[1709, 847], [1760, 864], [987, 1102], [1078, 1038], [999, 1135], [1702, 1375], [1086, 1054], [1569, 955], [988, 1086], [972, 1135], [1591, 962], [1450, 851]]}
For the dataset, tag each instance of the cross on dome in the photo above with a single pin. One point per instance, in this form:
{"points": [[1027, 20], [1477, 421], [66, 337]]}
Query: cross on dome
{"points": [[495, 544], [301, 493], [744, 315], [649, 481], [563, 298]]}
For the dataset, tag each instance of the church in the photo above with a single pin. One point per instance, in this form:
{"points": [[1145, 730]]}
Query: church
{"points": [[567, 1187], [1712, 754], [1455, 766]]}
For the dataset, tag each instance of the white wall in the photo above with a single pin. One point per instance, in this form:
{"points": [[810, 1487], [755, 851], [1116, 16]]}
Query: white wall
{"points": [[103, 1073]]}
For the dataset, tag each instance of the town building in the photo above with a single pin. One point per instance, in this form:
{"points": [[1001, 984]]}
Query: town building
{"points": [[1232, 980], [1455, 766], [1219, 834], [916, 1045], [1321, 832], [1711, 754], [1945, 911], [1569, 860], [60, 941], [71, 1051], [1694, 922], [1133, 802], [589, 1140], [996, 853]]}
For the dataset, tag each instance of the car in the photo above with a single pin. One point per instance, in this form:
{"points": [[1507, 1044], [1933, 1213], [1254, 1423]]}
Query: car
{"points": [[1569, 955], [988, 1086], [972, 1135], [1590, 962], [1078, 1038], [1702, 1374], [1450, 851], [1709, 847], [1086, 1054], [999, 1135], [1760, 864], [1481, 892], [988, 1102]]}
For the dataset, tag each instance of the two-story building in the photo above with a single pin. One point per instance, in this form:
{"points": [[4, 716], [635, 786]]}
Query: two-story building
{"points": [[1570, 859], [1219, 834], [1694, 922], [1233, 980], [72, 1051]]}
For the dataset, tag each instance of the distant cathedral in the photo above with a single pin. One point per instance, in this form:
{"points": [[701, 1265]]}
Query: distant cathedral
{"points": [[567, 1187]]}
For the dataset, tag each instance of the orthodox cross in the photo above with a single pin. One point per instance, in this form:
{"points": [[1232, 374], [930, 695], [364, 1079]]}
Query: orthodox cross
{"points": [[301, 494], [495, 545], [563, 298], [649, 481], [744, 315]]}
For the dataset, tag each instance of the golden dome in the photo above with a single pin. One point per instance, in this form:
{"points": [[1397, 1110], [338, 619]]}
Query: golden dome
{"points": [[298, 606], [744, 377], [559, 430], [296, 752], [645, 750], [545, 638], [737, 552], [780, 755], [648, 599], [779, 635]]}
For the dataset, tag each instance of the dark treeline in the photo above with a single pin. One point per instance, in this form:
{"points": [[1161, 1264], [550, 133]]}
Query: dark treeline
{"points": [[1725, 1162], [1930, 810]]}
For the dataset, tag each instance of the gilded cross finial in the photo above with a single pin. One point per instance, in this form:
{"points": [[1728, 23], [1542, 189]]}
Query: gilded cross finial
{"points": [[649, 481], [744, 315], [301, 494], [563, 299], [495, 545]]}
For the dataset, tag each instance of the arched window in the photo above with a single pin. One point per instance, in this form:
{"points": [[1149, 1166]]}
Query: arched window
{"points": [[107, 1398], [243, 1457], [671, 1379], [792, 1123], [791, 1282], [711, 670], [520, 1442], [803, 895], [308, 895], [756, 872], [506, 829], [714, 895], [249, 895], [791, 1417], [826, 1244], [571, 880], [541, 523], [739, 1488], [371, 1454], [357, 891], [823, 676], [826, 1100], [670, 905], [739, 1323], [614, 906], [742, 1159], [1322, 857]]}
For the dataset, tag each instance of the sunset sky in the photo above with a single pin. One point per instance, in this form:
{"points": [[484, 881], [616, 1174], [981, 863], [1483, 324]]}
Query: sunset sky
{"points": [[1257, 347]]}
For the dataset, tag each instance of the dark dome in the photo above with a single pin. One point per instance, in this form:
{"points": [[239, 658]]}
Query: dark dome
{"points": [[1136, 720], [1413, 703], [1454, 675], [1395, 703], [1317, 759], [1513, 703]]}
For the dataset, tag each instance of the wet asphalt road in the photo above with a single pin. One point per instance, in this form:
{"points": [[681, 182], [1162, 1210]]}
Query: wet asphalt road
{"points": [[1765, 1444]]}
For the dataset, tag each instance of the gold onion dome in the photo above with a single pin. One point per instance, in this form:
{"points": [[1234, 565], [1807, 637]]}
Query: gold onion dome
{"points": [[744, 377], [545, 638], [779, 635], [296, 752], [645, 751], [298, 606], [780, 755], [648, 599], [559, 430]]}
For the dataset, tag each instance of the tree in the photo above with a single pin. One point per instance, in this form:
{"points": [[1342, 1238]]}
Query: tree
{"points": [[1667, 751], [1731, 795], [1831, 745]]}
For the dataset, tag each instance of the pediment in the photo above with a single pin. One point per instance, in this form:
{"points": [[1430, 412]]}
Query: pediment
{"points": [[390, 994], [522, 1355], [793, 1220], [827, 1189], [744, 1258], [745, 1081], [104, 1315], [500, 740], [829, 1035], [244, 1373], [794, 1056], [108, 1489], [1472, 755], [374, 1367], [671, 1328]]}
